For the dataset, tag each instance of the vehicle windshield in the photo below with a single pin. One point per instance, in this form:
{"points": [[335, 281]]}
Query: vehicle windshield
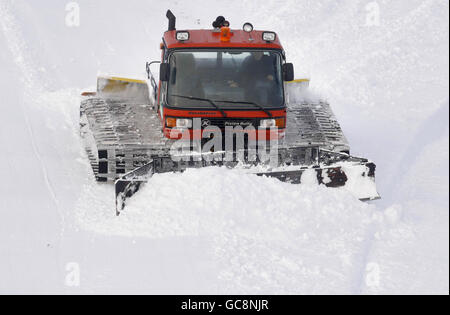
{"points": [[231, 79]]}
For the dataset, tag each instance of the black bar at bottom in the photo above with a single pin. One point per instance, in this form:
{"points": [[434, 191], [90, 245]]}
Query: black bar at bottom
{"points": [[226, 304]]}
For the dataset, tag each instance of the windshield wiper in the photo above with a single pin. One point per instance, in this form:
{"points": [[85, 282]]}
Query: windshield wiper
{"points": [[213, 103], [203, 99], [250, 103]]}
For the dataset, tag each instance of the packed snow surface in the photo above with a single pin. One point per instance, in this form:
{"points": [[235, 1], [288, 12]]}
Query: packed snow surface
{"points": [[382, 65]]}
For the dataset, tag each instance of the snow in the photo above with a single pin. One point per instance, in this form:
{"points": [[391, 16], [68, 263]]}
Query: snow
{"points": [[217, 230], [261, 232], [359, 186]]}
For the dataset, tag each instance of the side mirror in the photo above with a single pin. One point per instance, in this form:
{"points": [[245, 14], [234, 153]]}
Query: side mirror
{"points": [[288, 72], [149, 70], [164, 72]]}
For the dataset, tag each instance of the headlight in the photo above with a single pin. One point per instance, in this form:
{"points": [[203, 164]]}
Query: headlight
{"points": [[183, 36], [267, 123], [273, 123], [184, 123], [269, 36]]}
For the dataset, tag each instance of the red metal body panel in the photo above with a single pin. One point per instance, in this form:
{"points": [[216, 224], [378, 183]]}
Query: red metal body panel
{"points": [[209, 39], [188, 113]]}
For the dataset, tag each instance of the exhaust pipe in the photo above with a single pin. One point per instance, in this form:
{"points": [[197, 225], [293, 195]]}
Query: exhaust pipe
{"points": [[172, 20]]}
